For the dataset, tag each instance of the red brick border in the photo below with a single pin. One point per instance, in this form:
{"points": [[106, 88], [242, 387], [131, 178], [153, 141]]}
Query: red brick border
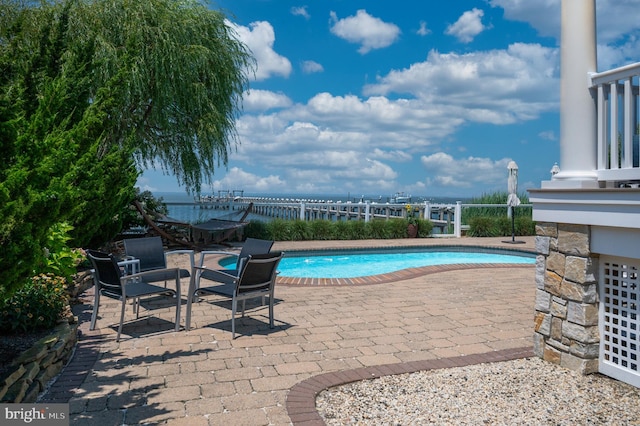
{"points": [[301, 399], [404, 274]]}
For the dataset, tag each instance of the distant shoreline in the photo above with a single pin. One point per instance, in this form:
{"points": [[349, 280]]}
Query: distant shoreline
{"points": [[182, 198]]}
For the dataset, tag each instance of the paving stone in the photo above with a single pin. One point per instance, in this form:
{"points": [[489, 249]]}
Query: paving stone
{"points": [[184, 377]]}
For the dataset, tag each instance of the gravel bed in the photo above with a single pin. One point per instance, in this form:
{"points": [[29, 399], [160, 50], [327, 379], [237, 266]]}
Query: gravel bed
{"points": [[521, 392]]}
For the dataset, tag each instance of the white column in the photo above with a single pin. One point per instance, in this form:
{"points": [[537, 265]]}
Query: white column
{"points": [[578, 150]]}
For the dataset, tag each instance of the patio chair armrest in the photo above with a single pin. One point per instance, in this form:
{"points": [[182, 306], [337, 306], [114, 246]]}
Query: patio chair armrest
{"points": [[204, 268], [153, 272], [181, 251], [205, 253], [130, 264], [219, 252]]}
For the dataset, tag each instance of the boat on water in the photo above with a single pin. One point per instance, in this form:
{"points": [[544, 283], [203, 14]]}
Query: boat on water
{"points": [[400, 198]]}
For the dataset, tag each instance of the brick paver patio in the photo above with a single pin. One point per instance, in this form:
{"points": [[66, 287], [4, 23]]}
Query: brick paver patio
{"points": [[325, 335]]}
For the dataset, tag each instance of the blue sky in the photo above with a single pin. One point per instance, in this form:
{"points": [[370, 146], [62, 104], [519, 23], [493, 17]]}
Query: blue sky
{"points": [[426, 97]]}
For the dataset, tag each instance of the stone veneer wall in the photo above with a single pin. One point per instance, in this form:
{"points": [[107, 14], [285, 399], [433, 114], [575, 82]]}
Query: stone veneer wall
{"points": [[566, 310], [32, 371], [34, 368]]}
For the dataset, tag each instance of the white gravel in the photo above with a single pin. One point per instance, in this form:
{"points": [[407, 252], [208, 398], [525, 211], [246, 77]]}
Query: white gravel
{"points": [[522, 392]]}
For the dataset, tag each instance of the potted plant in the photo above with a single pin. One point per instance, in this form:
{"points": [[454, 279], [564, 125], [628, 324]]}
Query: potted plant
{"points": [[412, 222]]}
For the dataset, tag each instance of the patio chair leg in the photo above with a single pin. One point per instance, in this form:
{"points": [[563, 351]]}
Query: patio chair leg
{"points": [[234, 306], [124, 303], [187, 320], [178, 302], [136, 307], [96, 305], [271, 312]]}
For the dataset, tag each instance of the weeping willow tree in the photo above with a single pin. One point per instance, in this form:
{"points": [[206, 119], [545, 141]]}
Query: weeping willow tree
{"points": [[179, 73], [93, 91]]}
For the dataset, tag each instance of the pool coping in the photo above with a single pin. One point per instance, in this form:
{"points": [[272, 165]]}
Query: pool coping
{"points": [[403, 274]]}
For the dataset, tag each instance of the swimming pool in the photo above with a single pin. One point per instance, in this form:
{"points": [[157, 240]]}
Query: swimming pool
{"points": [[359, 263]]}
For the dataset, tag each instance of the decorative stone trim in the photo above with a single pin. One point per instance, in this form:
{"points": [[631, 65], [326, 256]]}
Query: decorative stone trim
{"points": [[34, 368], [566, 310]]}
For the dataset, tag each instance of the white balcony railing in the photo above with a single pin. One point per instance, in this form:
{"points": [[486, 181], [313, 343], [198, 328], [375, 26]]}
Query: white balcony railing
{"points": [[617, 126]]}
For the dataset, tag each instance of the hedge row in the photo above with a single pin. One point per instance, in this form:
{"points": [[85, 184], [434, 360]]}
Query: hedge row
{"points": [[500, 226], [296, 230]]}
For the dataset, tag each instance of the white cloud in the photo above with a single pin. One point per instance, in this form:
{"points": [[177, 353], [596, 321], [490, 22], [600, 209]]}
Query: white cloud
{"points": [[467, 26], [310, 67], [262, 100], [238, 178], [614, 17], [543, 15], [391, 155], [363, 144], [445, 171], [260, 38], [548, 135], [144, 184], [497, 86], [300, 11], [617, 25], [423, 30], [366, 30]]}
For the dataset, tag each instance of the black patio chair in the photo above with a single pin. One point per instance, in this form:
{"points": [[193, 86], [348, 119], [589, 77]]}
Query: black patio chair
{"points": [[150, 253], [111, 282], [251, 246], [256, 279]]}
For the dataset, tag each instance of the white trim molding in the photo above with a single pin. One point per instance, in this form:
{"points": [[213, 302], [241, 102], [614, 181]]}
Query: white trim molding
{"points": [[610, 207]]}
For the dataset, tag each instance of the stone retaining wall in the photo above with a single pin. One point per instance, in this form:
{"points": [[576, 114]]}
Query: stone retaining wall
{"points": [[34, 368], [31, 372], [566, 310]]}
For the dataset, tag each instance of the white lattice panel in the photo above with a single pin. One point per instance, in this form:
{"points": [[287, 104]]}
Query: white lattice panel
{"points": [[619, 319]]}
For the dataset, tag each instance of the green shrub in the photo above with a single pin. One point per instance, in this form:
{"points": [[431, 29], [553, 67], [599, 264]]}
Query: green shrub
{"points": [[502, 225], [59, 259], [396, 228], [378, 229], [340, 230], [300, 230], [525, 226], [495, 198], [321, 229], [482, 227], [38, 305], [357, 230], [256, 229], [279, 230], [424, 228]]}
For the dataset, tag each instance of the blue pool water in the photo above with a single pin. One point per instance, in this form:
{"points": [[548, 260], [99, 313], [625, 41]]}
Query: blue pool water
{"points": [[350, 264]]}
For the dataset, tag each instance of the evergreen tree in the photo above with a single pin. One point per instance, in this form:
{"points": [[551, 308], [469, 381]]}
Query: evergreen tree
{"points": [[92, 92]]}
